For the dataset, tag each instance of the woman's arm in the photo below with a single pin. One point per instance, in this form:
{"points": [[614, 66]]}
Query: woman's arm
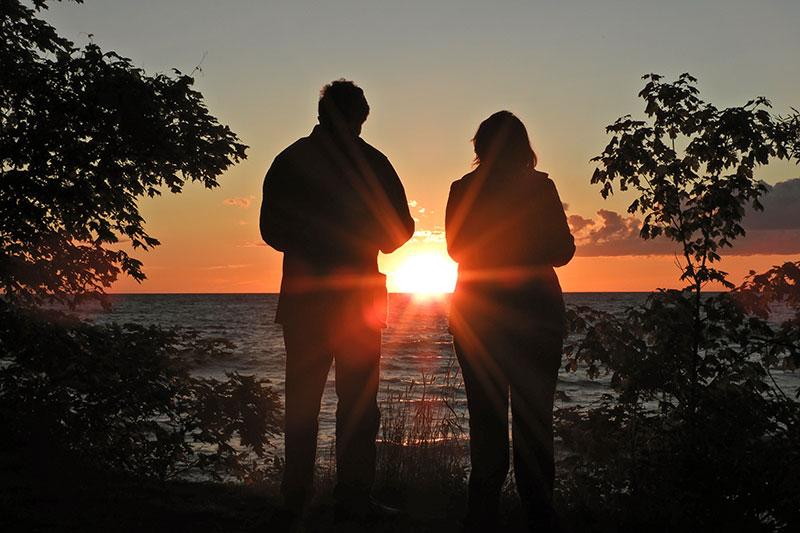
{"points": [[454, 221], [560, 244]]}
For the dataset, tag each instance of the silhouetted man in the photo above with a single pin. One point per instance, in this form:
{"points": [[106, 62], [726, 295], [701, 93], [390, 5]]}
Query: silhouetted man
{"points": [[331, 202]]}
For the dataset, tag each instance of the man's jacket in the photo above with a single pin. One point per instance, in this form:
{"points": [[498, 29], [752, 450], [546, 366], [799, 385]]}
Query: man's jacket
{"points": [[330, 203]]}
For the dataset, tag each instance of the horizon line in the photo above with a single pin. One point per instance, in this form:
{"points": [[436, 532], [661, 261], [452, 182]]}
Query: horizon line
{"points": [[389, 292]]}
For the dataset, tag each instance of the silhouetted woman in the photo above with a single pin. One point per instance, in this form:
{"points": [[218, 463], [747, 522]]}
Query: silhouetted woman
{"points": [[507, 229]]}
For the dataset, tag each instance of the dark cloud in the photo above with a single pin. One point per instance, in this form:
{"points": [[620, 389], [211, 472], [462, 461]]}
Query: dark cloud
{"points": [[774, 231], [781, 208], [613, 234], [614, 227], [577, 223], [767, 242]]}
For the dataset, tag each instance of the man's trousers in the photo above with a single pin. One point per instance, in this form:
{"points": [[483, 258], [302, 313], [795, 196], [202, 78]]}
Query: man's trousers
{"points": [[311, 347]]}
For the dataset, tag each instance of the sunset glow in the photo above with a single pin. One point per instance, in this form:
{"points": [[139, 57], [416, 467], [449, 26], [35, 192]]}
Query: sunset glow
{"points": [[210, 239], [428, 273]]}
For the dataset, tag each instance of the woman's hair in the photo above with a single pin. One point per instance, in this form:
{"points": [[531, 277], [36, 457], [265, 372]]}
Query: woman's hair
{"points": [[502, 140]]}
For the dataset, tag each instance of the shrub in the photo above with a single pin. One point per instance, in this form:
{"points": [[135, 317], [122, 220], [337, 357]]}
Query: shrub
{"points": [[123, 397], [695, 433]]}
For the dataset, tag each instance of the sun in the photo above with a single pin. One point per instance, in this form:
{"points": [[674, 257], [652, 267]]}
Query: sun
{"points": [[427, 273]]}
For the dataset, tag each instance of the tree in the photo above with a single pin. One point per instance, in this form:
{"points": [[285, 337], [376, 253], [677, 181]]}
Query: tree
{"points": [[695, 196], [696, 434], [83, 136]]}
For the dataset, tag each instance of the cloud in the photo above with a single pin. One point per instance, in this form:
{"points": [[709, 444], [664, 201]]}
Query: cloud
{"points": [[613, 234], [767, 242], [224, 267], [420, 213], [774, 231], [577, 223], [614, 227], [781, 207], [240, 202], [428, 236]]}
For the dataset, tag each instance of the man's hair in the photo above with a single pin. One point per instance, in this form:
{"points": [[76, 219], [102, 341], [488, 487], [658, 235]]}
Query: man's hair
{"points": [[342, 100]]}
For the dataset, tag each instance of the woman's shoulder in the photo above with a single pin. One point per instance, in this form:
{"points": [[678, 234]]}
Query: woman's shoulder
{"points": [[539, 177], [541, 181], [465, 179], [463, 182], [538, 174]]}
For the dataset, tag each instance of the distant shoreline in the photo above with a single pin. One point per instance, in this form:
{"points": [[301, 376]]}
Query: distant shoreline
{"points": [[390, 292]]}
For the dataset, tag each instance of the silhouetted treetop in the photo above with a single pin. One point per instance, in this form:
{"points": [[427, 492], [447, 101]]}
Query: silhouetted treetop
{"points": [[83, 135], [693, 166]]}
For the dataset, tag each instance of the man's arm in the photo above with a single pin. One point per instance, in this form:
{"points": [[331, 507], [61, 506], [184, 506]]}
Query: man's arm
{"points": [[395, 224], [277, 221]]}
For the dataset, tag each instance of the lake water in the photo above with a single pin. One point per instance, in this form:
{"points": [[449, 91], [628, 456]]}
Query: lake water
{"points": [[416, 343]]}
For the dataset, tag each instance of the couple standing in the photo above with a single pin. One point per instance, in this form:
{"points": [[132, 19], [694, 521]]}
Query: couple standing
{"points": [[331, 202]]}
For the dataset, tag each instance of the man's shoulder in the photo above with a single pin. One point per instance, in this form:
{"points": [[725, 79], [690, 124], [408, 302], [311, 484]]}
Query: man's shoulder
{"points": [[372, 152], [298, 147]]}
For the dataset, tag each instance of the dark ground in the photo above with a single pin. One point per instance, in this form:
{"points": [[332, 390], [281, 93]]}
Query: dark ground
{"points": [[40, 492]]}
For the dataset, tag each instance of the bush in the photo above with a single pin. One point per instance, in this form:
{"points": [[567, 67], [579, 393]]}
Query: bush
{"points": [[732, 460], [123, 397], [84, 134], [696, 433]]}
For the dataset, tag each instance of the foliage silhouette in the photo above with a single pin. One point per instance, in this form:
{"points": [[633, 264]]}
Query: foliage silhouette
{"points": [[123, 397], [84, 134], [697, 432], [695, 196]]}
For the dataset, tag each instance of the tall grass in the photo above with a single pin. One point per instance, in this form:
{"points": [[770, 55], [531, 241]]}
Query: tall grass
{"points": [[422, 441], [423, 438]]}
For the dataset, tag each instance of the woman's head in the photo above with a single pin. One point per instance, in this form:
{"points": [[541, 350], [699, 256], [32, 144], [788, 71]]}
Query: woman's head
{"points": [[502, 140]]}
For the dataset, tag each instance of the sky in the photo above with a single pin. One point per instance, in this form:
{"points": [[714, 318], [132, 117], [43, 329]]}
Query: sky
{"points": [[432, 71]]}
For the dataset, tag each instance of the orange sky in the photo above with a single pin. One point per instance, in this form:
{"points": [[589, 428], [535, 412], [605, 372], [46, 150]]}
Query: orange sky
{"points": [[259, 271], [432, 71]]}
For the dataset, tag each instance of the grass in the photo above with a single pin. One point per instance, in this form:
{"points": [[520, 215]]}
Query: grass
{"points": [[423, 439], [423, 465]]}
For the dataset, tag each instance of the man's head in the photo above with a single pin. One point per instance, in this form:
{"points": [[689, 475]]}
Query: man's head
{"points": [[342, 105]]}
